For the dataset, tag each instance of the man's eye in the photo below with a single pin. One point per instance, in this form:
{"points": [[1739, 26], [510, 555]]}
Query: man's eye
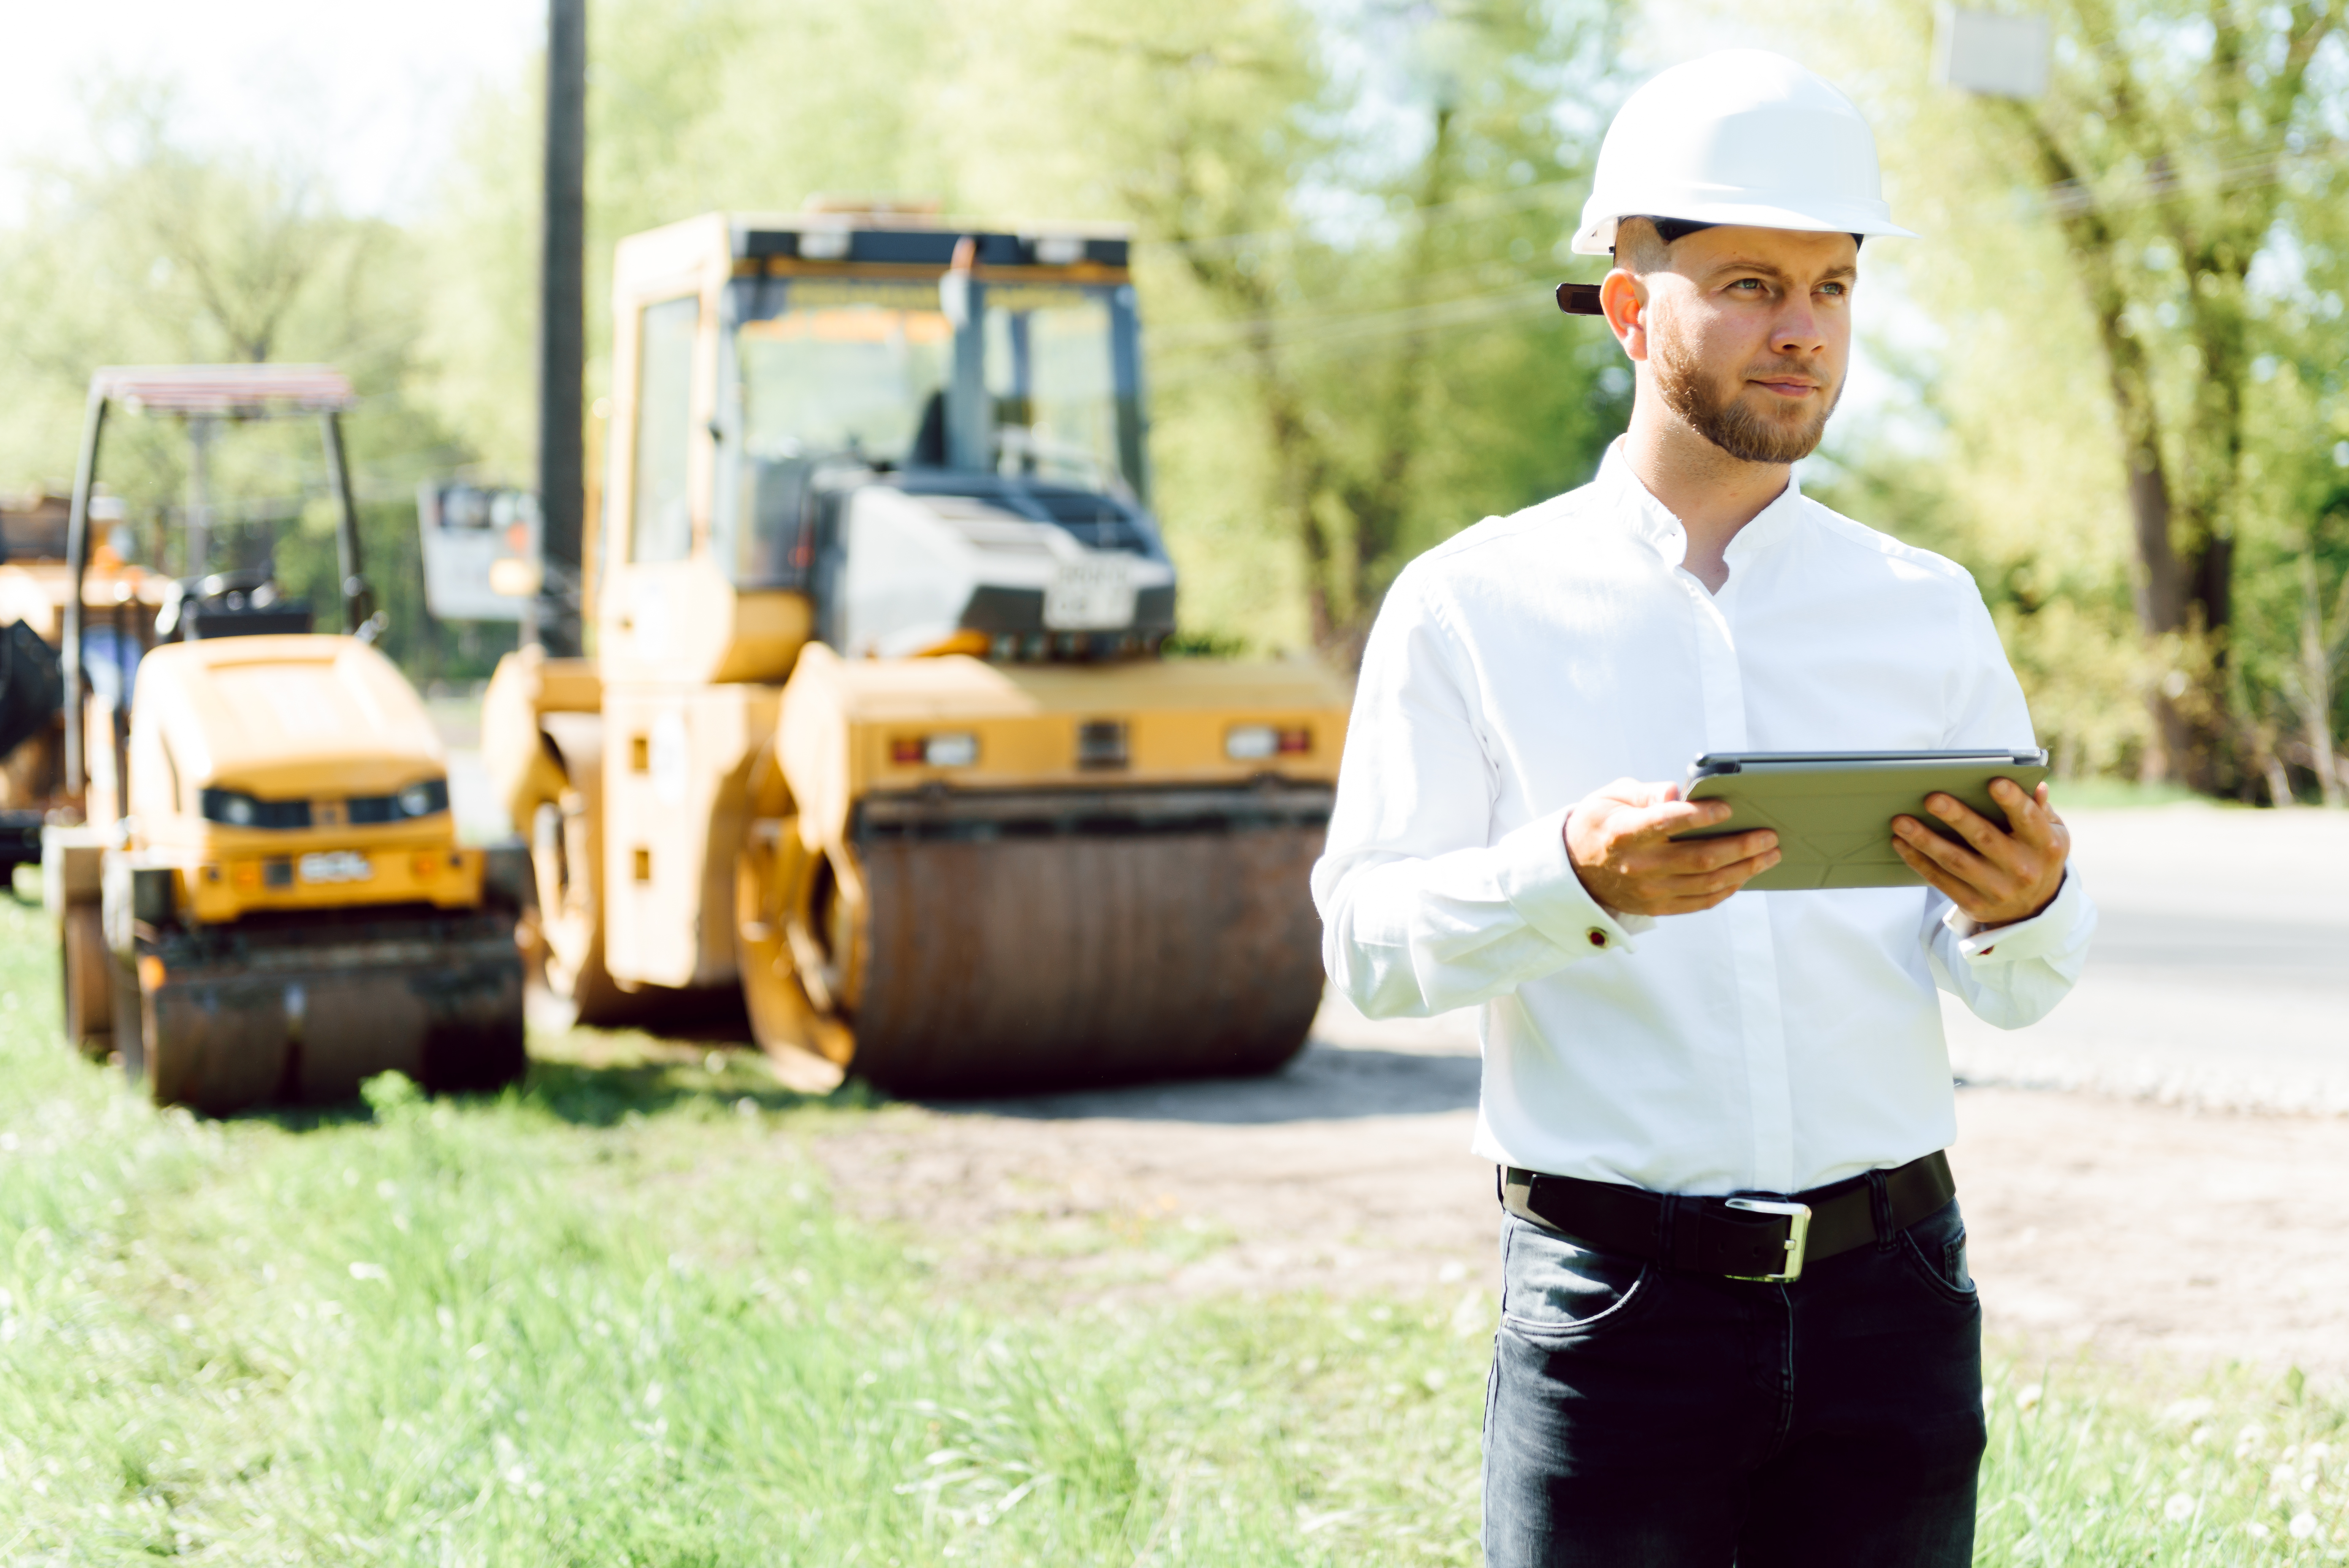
{"points": [[1832, 288], [1751, 285]]}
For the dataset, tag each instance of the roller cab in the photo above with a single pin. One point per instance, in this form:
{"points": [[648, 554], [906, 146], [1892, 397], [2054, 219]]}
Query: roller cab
{"points": [[880, 729]]}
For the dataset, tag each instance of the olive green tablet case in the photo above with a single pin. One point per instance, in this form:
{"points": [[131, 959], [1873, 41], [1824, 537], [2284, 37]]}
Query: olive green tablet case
{"points": [[1834, 810]]}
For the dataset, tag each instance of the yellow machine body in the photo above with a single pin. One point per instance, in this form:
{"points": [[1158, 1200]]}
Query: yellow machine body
{"points": [[1006, 856], [323, 723]]}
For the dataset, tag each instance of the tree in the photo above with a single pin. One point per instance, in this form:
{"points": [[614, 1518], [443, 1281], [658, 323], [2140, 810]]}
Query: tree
{"points": [[2139, 370], [148, 249], [1351, 346], [1355, 216], [2161, 147]]}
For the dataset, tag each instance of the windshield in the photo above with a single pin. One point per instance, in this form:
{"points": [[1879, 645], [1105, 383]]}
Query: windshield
{"points": [[862, 367], [845, 366], [1050, 379]]}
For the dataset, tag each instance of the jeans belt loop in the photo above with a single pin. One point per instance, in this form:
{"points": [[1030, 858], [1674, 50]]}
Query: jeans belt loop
{"points": [[1664, 1223], [1688, 1233], [1879, 1212]]}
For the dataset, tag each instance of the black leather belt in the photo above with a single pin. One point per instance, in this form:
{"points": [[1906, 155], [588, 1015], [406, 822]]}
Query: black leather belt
{"points": [[1755, 1238]]}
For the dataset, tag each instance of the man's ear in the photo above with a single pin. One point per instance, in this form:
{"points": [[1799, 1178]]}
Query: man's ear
{"points": [[1624, 299]]}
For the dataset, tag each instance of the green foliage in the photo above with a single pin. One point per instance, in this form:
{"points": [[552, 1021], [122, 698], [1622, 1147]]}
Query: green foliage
{"points": [[1348, 219], [2138, 275], [1351, 239], [1352, 348], [1349, 216], [148, 249]]}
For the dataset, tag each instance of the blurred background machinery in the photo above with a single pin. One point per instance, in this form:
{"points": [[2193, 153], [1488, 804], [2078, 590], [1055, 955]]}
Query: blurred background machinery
{"points": [[480, 549], [120, 602], [262, 899], [878, 727]]}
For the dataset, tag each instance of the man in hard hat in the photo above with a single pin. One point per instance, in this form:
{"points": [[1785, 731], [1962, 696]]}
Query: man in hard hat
{"points": [[1681, 1375]]}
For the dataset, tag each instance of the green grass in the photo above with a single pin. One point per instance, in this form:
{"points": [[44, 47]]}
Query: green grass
{"points": [[611, 1318]]}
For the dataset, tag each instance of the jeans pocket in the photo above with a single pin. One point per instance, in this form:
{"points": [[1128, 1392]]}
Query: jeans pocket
{"points": [[1953, 1263], [1936, 1246], [1552, 1288]]}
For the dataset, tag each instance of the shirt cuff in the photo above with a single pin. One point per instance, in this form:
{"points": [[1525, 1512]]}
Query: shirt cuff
{"points": [[2049, 931], [1537, 879]]}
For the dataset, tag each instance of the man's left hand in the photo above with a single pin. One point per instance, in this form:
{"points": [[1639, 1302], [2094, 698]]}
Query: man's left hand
{"points": [[1997, 877]]}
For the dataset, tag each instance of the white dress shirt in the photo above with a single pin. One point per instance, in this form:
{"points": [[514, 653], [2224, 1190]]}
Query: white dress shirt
{"points": [[1775, 1043]]}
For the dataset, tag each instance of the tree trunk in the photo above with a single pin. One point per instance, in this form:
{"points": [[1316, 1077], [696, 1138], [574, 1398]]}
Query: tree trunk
{"points": [[2160, 584], [1379, 500], [2311, 688]]}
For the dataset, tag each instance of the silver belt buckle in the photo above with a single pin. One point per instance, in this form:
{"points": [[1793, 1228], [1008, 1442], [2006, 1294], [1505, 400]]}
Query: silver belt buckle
{"points": [[1799, 1235]]}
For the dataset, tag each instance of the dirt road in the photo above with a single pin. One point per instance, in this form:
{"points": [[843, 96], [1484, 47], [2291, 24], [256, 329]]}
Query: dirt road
{"points": [[2148, 1174], [2123, 1229]]}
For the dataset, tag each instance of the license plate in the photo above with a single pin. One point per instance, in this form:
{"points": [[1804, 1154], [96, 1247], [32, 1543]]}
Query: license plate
{"points": [[1089, 596], [336, 866]]}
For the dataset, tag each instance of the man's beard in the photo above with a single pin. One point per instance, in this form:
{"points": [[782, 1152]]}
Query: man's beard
{"points": [[1720, 417]]}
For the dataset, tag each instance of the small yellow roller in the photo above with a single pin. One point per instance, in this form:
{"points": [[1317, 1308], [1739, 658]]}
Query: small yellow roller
{"points": [[266, 902]]}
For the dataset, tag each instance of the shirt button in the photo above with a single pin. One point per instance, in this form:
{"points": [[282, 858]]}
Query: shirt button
{"points": [[1598, 937]]}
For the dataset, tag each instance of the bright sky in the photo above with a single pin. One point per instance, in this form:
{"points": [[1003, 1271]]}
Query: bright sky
{"points": [[370, 93]]}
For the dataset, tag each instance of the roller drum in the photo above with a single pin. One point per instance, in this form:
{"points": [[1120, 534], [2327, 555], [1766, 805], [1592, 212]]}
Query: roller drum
{"points": [[291, 1014], [1097, 947]]}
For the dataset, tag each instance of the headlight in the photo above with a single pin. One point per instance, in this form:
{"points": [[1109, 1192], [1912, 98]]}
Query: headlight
{"points": [[421, 798], [235, 809]]}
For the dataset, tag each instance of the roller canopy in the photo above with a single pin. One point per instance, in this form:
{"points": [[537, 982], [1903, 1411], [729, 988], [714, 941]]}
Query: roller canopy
{"points": [[229, 390]]}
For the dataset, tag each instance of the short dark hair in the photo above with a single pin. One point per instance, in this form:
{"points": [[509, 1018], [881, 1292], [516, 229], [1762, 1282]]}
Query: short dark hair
{"points": [[1670, 228]]}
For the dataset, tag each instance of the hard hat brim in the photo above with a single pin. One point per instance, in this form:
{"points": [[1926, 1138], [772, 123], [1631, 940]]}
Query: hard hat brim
{"points": [[1597, 235]]}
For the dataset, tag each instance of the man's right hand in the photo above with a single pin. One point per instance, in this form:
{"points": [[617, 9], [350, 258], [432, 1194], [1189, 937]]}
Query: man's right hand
{"points": [[1619, 840]]}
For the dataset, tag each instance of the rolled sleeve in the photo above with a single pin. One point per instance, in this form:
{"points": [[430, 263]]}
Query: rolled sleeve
{"points": [[2052, 931], [1536, 875], [1423, 909], [2014, 976]]}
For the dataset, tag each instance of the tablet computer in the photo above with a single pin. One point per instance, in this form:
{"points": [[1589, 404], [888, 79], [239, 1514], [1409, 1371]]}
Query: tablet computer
{"points": [[1833, 810]]}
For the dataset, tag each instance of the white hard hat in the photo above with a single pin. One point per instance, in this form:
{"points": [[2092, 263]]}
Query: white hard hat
{"points": [[1743, 135]]}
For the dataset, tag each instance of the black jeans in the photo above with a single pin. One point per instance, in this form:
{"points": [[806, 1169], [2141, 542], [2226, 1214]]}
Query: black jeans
{"points": [[1639, 1418]]}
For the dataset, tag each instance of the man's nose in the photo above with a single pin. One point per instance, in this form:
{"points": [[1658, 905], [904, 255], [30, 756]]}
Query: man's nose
{"points": [[1798, 329]]}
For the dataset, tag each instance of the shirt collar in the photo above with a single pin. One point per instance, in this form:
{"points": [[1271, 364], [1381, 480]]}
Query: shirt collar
{"points": [[1630, 502]]}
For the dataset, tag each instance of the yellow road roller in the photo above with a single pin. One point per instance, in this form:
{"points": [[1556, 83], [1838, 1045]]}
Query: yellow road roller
{"points": [[266, 902], [879, 725]]}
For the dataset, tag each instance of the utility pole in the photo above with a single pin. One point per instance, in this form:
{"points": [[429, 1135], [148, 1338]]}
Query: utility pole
{"points": [[553, 619], [199, 497]]}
